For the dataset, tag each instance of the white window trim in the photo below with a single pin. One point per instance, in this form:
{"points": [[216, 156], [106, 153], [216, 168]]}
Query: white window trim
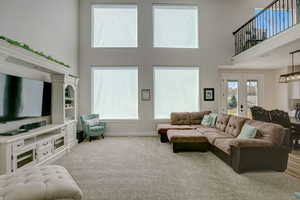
{"points": [[197, 24], [95, 5], [175, 66], [94, 68]]}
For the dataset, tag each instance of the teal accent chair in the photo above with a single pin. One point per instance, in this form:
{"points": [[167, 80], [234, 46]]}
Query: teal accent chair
{"points": [[92, 131]]}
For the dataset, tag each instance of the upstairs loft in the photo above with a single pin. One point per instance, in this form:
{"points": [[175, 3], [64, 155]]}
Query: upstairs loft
{"points": [[267, 38]]}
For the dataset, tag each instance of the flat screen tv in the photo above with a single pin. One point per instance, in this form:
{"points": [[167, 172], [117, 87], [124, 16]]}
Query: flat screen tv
{"points": [[22, 98]]}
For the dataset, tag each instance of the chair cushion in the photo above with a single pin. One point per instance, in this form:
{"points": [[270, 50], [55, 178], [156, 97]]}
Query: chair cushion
{"points": [[222, 121], [212, 136], [96, 128], [180, 118], [178, 136], [234, 125], [224, 144]]}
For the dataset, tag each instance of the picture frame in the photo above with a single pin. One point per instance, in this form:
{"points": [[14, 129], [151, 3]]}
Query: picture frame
{"points": [[209, 94], [146, 95]]}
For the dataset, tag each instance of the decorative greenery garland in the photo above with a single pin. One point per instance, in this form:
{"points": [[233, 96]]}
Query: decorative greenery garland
{"points": [[28, 48]]}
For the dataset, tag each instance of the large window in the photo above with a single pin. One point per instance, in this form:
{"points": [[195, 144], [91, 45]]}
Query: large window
{"points": [[114, 25], [175, 26], [176, 89], [115, 92]]}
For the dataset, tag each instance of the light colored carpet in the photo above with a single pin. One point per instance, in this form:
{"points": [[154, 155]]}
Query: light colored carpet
{"points": [[142, 168]]}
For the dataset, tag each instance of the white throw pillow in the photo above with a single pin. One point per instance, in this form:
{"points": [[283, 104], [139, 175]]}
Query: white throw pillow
{"points": [[93, 122]]}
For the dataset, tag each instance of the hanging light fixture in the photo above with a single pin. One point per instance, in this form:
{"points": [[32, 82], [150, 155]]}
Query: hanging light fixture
{"points": [[294, 76]]}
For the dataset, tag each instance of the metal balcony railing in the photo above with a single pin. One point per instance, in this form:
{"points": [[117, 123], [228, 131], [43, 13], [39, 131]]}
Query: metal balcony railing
{"points": [[279, 16]]}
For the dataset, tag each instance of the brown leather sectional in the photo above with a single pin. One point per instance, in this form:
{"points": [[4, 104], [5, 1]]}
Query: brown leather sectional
{"points": [[268, 151]]}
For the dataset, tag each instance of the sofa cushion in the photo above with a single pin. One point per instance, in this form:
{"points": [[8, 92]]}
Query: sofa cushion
{"points": [[235, 125], [239, 143], [273, 133], [196, 117], [224, 144], [180, 118], [212, 136], [206, 129], [222, 121], [180, 136], [163, 128]]}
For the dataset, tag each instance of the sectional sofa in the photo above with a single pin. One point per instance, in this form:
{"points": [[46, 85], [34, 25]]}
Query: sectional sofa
{"points": [[268, 151]]}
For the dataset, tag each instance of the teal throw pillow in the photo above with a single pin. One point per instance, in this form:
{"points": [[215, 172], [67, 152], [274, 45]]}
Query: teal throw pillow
{"points": [[214, 117], [248, 132], [206, 121]]}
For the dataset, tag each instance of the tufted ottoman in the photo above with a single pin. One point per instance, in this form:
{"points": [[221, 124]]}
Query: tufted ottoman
{"points": [[39, 183]]}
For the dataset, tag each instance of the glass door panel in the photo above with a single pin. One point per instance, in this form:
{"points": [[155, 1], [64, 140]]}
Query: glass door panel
{"points": [[232, 97], [252, 95]]}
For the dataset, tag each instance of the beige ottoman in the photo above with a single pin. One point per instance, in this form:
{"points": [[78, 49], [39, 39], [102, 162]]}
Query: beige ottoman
{"points": [[39, 183], [187, 140]]}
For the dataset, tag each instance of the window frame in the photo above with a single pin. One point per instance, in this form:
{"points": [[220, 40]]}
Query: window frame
{"points": [[176, 66], [97, 67], [187, 4], [93, 5]]}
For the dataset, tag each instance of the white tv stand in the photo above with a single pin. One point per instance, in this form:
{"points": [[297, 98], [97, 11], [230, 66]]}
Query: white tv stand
{"points": [[45, 144], [35, 147]]}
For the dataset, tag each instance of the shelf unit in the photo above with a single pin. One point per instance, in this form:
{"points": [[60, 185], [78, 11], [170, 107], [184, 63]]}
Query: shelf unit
{"points": [[45, 144]]}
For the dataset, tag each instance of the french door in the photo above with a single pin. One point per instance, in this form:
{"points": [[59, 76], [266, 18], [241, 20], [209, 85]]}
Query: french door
{"points": [[240, 92]]}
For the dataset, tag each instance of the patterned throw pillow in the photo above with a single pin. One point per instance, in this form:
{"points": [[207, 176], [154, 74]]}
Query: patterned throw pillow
{"points": [[248, 132], [93, 122], [206, 121], [214, 117]]}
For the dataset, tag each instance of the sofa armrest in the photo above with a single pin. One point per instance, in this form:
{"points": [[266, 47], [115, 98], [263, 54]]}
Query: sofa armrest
{"points": [[240, 143]]}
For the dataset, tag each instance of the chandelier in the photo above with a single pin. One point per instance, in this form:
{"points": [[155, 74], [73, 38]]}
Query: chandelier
{"points": [[293, 76]]}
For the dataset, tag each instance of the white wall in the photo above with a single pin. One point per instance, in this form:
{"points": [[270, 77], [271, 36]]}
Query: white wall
{"points": [[217, 21], [47, 26]]}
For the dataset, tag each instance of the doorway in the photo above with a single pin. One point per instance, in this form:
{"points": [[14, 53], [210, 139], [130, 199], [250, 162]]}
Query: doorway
{"points": [[241, 91]]}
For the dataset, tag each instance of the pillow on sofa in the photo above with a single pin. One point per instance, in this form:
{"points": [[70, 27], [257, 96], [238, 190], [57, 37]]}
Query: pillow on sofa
{"points": [[206, 121], [214, 117], [248, 132]]}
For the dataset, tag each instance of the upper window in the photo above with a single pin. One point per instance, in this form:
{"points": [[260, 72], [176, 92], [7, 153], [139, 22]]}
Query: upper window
{"points": [[114, 25], [175, 26], [176, 89], [115, 92]]}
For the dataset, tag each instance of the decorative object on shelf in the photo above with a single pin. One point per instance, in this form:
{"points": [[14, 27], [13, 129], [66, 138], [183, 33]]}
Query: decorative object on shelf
{"points": [[28, 48], [294, 76], [146, 95], [209, 94]]}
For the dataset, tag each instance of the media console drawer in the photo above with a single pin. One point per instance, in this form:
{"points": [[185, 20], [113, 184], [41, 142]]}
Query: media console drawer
{"points": [[18, 145], [44, 143], [44, 153]]}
